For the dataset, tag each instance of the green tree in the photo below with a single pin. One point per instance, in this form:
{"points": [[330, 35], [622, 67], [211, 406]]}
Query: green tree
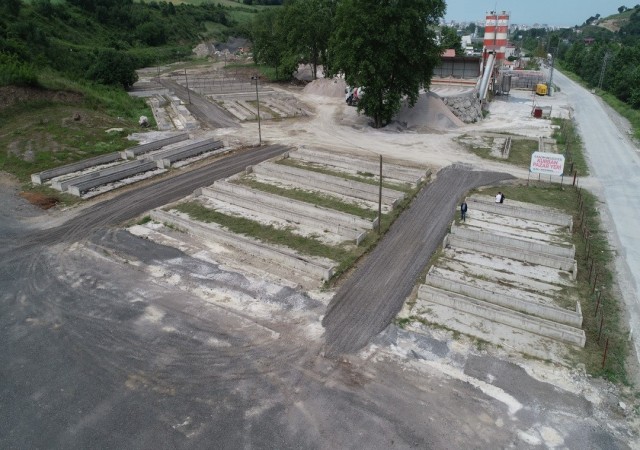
{"points": [[449, 39], [389, 48], [269, 42], [309, 26], [114, 68]]}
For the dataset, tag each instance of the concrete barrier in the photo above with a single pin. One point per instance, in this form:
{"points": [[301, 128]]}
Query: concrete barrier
{"points": [[166, 159], [133, 168], [346, 232], [306, 209], [329, 183], [537, 247], [505, 316], [555, 262], [39, 178], [355, 163], [321, 268], [155, 145], [548, 312], [516, 209], [63, 185]]}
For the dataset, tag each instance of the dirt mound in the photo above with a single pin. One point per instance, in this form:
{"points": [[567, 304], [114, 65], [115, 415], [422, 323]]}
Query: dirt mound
{"points": [[326, 87], [38, 199], [429, 112]]}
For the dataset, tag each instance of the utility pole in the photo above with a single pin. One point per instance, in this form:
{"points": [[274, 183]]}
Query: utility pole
{"points": [[604, 68], [256, 78], [553, 62], [380, 198], [187, 81]]}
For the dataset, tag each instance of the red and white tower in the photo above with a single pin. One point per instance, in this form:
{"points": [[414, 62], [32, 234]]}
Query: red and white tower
{"points": [[495, 34]]}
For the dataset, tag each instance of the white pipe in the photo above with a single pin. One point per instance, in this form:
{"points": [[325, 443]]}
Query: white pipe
{"points": [[484, 84]]}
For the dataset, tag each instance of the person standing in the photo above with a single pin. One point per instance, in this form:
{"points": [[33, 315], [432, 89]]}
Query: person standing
{"points": [[499, 197], [463, 211]]}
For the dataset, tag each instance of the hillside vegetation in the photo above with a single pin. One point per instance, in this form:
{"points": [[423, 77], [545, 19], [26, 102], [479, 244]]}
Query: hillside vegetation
{"points": [[65, 67]]}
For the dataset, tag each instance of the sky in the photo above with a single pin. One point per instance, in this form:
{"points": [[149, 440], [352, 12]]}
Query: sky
{"points": [[528, 12]]}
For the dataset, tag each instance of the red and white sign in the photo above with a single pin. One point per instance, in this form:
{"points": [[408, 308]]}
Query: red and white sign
{"points": [[547, 163]]}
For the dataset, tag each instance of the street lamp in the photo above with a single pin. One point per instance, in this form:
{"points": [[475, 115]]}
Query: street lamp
{"points": [[256, 78]]}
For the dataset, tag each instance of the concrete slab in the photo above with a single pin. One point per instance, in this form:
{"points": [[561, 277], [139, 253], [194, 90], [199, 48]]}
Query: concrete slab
{"points": [[539, 231], [293, 218], [555, 262], [505, 316], [513, 241], [513, 299], [302, 208], [359, 163], [321, 268], [521, 210], [329, 183], [504, 269]]}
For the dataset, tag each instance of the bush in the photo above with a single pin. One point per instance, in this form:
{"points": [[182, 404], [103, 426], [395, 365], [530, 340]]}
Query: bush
{"points": [[15, 72], [113, 68]]}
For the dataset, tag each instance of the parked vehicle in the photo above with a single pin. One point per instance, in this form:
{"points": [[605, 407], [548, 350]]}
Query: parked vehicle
{"points": [[353, 95]]}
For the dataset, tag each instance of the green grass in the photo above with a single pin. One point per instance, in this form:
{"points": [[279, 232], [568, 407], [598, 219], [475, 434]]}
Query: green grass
{"points": [[315, 198], [567, 139], [570, 144]]}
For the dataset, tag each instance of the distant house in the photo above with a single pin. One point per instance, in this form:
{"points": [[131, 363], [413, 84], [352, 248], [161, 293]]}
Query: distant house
{"points": [[449, 53]]}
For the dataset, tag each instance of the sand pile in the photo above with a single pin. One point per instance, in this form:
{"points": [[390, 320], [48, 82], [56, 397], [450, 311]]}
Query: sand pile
{"points": [[429, 112], [326, 87]]}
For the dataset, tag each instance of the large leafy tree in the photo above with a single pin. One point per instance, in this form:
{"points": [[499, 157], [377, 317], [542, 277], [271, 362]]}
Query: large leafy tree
{"points": [[309, 25], [388, 47]]}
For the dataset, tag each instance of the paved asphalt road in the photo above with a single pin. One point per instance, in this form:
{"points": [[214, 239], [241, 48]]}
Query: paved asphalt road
{"points": [[615, 162]]}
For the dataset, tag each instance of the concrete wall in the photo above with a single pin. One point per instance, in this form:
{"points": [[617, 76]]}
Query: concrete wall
{"points": [[39, 178], [505, 241], [329, 183], [354, 163], [555, 262], [542, 327], [321, 268], [543, 311]]}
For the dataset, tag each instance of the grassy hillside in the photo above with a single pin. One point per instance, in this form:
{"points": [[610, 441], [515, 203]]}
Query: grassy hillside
{"points": [[64, 66]]}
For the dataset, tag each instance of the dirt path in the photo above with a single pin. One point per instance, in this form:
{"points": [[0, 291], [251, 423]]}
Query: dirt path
{"points": [[374, 294]]}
